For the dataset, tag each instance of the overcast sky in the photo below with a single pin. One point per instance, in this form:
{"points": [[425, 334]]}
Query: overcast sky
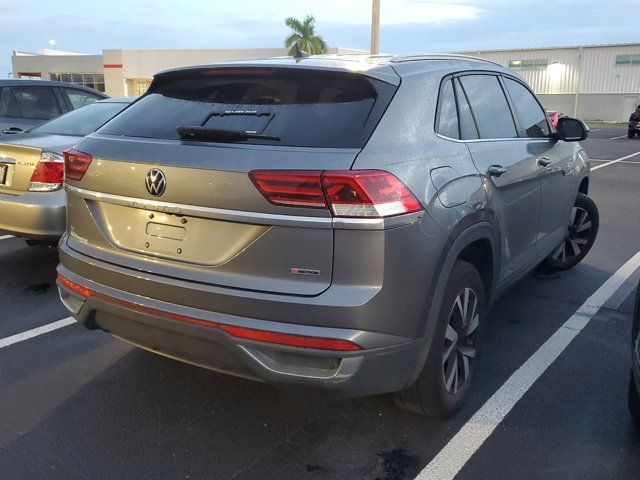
{"points": [[407, 25]]}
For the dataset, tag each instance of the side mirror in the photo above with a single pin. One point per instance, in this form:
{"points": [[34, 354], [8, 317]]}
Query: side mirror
{"points": [[572, 129]]}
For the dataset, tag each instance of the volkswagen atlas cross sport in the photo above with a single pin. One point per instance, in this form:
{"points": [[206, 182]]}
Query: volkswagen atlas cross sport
{"points": [[337, 224]]}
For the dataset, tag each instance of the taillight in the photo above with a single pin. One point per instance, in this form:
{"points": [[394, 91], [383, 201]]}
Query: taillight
{"points": [[367, 193], [76, 164], [290, 188], [48, 174], [349, 193]]}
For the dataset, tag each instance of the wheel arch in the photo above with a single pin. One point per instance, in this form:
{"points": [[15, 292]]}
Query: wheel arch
{"points": [[471, 244]]}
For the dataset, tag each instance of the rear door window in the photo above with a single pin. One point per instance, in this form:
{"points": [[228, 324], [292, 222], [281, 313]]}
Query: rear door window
{"points": [[530, 114], [489, 106], [78, 98], [8, 106], [36, 102], [306, 108]]}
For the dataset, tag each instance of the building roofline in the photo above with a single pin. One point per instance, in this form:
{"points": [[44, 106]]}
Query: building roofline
{"points": [[559, 47]]}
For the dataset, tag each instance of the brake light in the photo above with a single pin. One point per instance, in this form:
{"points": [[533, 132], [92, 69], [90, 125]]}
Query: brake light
{"points": [[48, 174], [76, 164], [349, 193]]}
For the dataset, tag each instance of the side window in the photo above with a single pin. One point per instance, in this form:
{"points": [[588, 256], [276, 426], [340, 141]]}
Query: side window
{"points": [[78, 98], [8, 107], [447, 115], [531, 117], [37, 102], [489, 106], [468, 130]]}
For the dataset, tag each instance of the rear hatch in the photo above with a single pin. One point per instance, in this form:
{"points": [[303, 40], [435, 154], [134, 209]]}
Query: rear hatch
{"points": [[168, 189]]}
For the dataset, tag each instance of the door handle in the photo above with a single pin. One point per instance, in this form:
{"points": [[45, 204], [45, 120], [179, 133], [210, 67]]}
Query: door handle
{"points": [[496, 170], [544, 161]]}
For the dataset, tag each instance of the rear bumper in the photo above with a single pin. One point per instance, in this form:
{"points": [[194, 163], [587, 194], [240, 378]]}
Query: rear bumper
{"points": [[37, 215], [384, 363]]}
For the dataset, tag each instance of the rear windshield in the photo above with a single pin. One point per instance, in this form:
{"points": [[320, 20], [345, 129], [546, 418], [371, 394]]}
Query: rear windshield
{"points": [[81, 121], [305, 108]]}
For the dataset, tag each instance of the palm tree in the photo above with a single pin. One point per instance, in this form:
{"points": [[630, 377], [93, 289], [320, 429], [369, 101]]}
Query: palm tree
{"points": [[304, 35]]}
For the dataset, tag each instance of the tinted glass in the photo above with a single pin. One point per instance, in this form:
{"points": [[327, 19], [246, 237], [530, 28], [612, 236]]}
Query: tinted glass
{"points": [[36, 102], [78, 98], [307, 108], [489, 105], [447, 114], [8, 106], [530, 115], [468, 130], [82, 121]]}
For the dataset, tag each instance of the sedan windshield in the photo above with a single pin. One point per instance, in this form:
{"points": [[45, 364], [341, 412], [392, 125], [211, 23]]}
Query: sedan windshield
{"points": [[82, 121]]}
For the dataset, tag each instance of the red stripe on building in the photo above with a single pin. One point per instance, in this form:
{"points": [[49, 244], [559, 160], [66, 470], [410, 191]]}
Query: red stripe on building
{"points": [[112, 65], [29, 74]]}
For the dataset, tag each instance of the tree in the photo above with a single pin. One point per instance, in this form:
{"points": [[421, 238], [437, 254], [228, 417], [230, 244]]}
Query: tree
{"points": [[304, 35]]}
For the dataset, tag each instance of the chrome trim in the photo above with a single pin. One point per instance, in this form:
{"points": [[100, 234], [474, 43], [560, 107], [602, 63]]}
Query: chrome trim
{"points": [[481, 140], [255, 218]]}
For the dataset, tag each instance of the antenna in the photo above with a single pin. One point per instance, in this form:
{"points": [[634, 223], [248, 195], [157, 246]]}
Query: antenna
{"points": [[298, 53]]}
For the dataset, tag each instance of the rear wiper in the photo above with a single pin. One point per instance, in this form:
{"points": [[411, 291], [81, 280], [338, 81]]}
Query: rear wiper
{"points": [[205, 134]]}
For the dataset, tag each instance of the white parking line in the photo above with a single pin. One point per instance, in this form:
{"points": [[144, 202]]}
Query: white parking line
{"points": [[616, 138], [5, 237], [34, 332], [453, 457], [617, 160]]}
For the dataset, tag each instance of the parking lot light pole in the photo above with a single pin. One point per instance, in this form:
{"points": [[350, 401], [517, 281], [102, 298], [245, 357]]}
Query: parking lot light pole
{"points": [[375, 27]]}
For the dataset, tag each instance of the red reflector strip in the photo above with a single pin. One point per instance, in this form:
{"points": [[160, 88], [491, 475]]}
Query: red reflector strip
{"points": [[288, 339], [74, 287]]}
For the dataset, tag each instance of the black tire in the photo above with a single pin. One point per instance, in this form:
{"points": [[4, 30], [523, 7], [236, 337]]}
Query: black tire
{"points": [[443, 384], [581, 235], [631, 133], [634, 400]]}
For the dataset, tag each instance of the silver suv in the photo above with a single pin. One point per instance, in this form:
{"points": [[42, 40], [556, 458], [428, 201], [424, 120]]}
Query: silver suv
{"points": [[337, 224]]}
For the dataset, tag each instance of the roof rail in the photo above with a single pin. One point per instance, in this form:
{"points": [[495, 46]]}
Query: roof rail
{"points": [[439, 56]]}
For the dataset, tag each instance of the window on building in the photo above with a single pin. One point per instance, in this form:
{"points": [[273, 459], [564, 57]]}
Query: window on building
{"points": [[632, 59], [532, 64], [91, 80], [141, 86]]}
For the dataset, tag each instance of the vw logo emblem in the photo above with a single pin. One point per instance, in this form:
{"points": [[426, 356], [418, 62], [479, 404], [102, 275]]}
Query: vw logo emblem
{"points": [[156, 182]]}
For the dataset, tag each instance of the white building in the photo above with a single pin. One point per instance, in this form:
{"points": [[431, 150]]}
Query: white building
{"points": [[594, 82]]}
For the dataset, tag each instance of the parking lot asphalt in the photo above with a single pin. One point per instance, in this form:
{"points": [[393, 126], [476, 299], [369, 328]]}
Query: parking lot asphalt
{"points": [[76, 404]]}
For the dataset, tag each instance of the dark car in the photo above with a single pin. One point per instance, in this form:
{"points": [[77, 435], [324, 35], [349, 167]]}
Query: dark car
{"points": [[634, 384], [27, 103], [634, 123]]}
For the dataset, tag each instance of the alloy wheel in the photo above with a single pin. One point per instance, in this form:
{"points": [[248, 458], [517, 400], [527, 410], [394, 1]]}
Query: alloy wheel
{"points": [[460, 338], [577, 239]]}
